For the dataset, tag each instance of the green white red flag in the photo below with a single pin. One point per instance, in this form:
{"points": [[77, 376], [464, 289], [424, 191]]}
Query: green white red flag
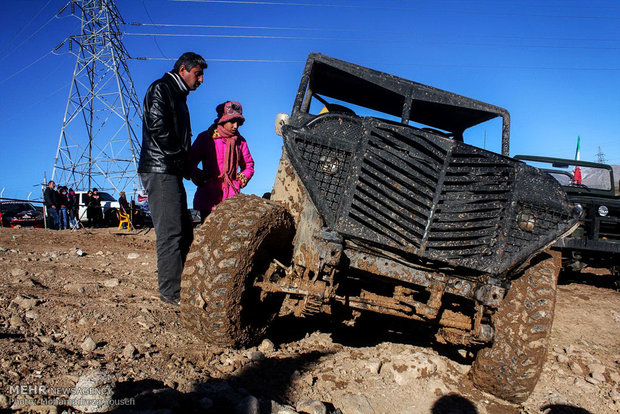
{"points": [[577, 170]]}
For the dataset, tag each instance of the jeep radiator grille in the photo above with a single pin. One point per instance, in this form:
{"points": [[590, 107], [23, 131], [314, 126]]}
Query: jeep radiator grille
{"points": [[401, 189], [476, 190], [395, 188]]}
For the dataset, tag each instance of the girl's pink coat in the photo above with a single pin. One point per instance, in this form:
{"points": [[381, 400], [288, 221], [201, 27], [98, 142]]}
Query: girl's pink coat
{"points": [[211, 152]]}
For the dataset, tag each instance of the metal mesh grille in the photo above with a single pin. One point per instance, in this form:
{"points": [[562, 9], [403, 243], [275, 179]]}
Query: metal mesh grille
{"points": [[328, 168], [546, 221]]}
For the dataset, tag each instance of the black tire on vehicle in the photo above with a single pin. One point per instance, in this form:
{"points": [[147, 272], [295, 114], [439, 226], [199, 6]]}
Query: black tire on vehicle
{"points": [[510, 368], [232, 249]]}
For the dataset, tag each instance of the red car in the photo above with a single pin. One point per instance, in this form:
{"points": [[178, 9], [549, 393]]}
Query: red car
{"points": [[20, 213]]}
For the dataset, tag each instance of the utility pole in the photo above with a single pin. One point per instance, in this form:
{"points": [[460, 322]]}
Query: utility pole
{"points": [[600, 155], [98, 146]]}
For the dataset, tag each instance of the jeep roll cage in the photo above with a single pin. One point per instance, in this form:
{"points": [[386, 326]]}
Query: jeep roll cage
{"points": [[402, 98]]}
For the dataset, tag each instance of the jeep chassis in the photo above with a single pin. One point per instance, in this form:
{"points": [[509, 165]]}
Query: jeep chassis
{"points": [[400, 218]]}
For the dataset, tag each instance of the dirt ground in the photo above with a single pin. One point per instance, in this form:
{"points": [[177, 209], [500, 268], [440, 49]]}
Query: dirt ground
{"points": [[83, 302]]}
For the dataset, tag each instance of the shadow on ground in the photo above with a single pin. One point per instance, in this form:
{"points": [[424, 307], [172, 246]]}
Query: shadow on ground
{"points": [[606, 281], [369, 330], [269, 379], [563, 409], [453, 404]]}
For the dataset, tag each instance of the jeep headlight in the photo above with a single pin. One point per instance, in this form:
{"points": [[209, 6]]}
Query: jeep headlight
{"points": [[329, 165], [281, 120], [579, 209], [603, 211], [526, 221]]}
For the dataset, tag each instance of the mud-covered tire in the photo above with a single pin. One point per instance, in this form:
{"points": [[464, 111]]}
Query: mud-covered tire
{"points": [[510, 368], [231, 249]]}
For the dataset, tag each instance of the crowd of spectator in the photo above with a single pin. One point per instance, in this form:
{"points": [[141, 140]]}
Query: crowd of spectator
{"points": [[63, 208]]}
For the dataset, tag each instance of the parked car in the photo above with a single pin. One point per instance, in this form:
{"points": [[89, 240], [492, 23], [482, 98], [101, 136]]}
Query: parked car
{"points": [[379, 206], [20, 213], [594, 188]]}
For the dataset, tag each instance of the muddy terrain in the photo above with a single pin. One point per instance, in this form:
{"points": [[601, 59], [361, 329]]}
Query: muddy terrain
{"points": [[82, 329]]}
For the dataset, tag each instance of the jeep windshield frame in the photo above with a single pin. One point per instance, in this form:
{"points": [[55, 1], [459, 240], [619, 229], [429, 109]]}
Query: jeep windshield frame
{"points": [[563, 164], [389, 94]]}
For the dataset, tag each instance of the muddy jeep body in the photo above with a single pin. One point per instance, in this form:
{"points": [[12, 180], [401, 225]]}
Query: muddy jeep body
{"points": [[399, 217]]}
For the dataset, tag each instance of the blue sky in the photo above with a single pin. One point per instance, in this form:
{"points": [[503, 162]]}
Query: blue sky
{"points": [[555, 65]]}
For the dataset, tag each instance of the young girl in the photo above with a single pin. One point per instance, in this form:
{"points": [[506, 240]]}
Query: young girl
{"points": [[227, 164]]}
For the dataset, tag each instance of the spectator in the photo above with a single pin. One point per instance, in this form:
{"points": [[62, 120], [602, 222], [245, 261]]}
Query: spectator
{"points": [[164, 162], [89, 208], [63, 202], [227, 164], [138, 215], [95, 203], [124, 207], [74, 208], [122, 201], [49, 197]]}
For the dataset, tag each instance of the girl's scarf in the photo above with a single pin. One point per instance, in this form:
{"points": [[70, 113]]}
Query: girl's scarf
{"points": [[229, 169]]}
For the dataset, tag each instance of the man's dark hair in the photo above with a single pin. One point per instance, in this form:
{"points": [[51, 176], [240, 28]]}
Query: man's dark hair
{"points": [[189, 60]]}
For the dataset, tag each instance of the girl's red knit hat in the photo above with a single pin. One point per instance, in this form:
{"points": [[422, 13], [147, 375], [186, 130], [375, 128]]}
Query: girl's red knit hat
{"points": [[232, 110]]}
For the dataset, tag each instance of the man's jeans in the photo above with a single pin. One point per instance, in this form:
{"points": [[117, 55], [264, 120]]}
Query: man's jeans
{"points": [[52, 215], [64, 219], [173, 228]]}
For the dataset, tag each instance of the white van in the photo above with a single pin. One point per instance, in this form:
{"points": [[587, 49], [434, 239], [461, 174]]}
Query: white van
{"points": [[109, 205]]}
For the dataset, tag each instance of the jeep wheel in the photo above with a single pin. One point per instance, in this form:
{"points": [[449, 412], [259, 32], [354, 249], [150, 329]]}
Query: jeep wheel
{"points": [[510, 368], [231, 250]]}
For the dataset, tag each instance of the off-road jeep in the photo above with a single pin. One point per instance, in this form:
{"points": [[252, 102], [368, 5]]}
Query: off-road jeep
{"points": [[595, 190], [397, 216]]}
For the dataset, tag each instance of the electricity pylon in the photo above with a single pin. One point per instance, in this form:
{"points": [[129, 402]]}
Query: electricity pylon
{"points": [[98, 146]]}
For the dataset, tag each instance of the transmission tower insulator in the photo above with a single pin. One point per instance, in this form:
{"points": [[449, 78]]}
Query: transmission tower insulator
{"points": [[98, 146]]}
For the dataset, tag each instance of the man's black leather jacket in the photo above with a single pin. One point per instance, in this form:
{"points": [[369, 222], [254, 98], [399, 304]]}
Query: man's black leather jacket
{"points": [[49, 196], [166, 130]]}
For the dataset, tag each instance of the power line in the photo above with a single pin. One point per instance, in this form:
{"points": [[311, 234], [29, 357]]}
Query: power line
{"points": [[25, 108], [221, 36], [28, 38], [25, 67], [439, 65], [578, 4], [229, 60], [278, 3], [154, 39], [391, 40], [349, 6], [325, 29], [25, 26]]}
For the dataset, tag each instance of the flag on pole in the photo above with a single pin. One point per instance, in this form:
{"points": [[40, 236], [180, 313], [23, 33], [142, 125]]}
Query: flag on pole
{"points": [[577, 170], [578, 152]]}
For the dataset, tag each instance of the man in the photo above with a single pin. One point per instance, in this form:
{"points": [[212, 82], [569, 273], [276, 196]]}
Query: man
{"points": [[123, 203], [49, 197], [164, 162], [94, 202]]}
